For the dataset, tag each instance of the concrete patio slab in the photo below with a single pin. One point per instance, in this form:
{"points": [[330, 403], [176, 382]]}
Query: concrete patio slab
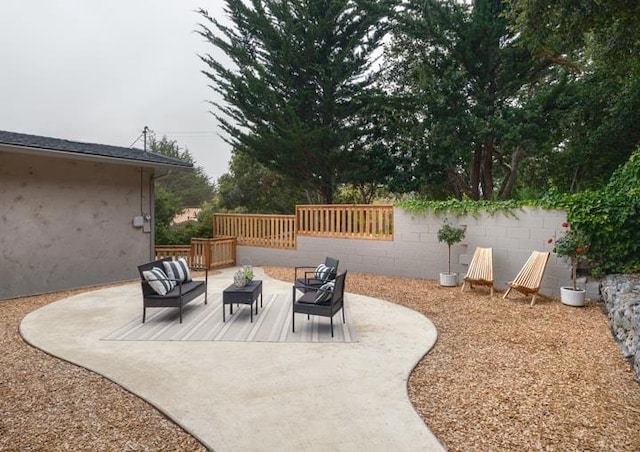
{"points": [[242, 396]]}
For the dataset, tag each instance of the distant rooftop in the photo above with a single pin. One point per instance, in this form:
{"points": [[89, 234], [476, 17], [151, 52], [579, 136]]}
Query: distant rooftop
{"points": [[37, 143]]}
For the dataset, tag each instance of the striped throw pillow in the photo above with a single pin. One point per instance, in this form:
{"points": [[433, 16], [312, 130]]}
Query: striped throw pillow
{"points": [[323, 296], [330, 274], [158, 281], [323, 272], [177, 269]]}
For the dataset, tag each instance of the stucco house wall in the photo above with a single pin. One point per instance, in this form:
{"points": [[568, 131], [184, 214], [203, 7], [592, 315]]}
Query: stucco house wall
{"points": [[67, 212], [68, 224], [415, 251]]}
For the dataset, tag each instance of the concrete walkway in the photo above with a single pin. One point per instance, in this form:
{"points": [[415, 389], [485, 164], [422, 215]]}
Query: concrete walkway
{"points": [[249, 396]]}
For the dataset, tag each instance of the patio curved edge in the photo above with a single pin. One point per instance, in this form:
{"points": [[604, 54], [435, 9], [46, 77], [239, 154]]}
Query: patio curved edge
{"points": [[123, 386], [267, 396]]}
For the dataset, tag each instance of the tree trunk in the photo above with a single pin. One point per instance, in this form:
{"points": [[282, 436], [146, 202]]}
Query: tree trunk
{"points": [[487, 168], [326, 191], [367, 192], [511, 173], [475, 174], [458, 184]]}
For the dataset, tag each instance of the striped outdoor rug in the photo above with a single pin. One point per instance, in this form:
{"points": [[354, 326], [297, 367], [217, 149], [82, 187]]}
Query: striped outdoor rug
{"points": [[202, 322]]}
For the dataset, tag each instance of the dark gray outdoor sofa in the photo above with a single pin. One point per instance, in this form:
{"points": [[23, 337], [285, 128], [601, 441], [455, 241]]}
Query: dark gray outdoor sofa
{"points": [[178, 297]]}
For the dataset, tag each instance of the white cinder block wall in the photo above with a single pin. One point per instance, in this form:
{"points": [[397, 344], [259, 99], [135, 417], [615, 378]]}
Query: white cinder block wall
{"points": [[415, 251]]}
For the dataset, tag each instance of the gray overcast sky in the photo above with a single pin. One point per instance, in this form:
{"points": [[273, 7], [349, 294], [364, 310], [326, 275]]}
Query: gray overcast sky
{"points": [[100, 70]]}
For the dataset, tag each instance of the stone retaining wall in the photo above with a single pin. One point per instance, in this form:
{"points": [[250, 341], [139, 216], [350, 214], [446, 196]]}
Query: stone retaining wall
{"points": [[621, 295]]}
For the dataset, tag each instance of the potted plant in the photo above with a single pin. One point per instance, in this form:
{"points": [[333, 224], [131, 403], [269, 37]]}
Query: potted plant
{"points": [[574, 247], [243, 276], [450, 235]]}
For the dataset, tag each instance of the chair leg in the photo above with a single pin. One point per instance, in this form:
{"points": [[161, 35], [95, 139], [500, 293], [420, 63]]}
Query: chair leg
{"points": [[144, 313], [506, 293], [343, 319], [293, 312], [463, 284], [331, 318], [533, 299]]}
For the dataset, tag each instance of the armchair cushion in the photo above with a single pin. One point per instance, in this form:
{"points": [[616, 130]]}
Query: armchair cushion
{"points": [[177, 270], [158, 280]]}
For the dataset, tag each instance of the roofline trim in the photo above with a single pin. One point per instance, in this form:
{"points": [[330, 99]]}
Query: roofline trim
{"points": [[93, 157]]}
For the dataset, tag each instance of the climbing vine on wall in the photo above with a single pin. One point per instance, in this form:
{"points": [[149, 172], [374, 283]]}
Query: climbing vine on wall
{"points": [[462, 207], [610, 216]]}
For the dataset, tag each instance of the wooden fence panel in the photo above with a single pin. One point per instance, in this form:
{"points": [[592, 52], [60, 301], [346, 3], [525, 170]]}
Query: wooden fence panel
{"points": [[268, 231], [360, 221], [222, 252], [210, 253], [174, 251], [200, 252]]}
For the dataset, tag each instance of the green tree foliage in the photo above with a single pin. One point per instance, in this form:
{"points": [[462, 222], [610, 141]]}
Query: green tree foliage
{"points": [[191, 187], [301, 84], [476, 107], [166, 206], [372, 160], [174, 192], [249, 187], [598, 132], [600, 43], [181, 234], [561, 31]]}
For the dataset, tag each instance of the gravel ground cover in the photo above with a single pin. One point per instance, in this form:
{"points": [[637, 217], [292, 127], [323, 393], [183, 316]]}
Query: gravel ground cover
{"points": [[502, 376]]}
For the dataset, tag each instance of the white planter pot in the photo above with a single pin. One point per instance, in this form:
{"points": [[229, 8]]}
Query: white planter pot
{"points": [[572, 297], [448, 279]]}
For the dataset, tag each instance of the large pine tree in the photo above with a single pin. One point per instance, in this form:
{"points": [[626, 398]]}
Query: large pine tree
{"points": [[300, 82]]}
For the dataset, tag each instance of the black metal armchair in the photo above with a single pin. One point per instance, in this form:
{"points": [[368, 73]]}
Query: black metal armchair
{"points": [[307, 280], [322, 302]]}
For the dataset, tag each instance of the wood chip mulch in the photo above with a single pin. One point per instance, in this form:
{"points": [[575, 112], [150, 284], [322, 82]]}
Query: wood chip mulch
{"points": [[502, 376], [51, 405]]}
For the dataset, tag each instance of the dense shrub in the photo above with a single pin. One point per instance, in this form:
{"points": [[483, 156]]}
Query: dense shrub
{"points": [[611, 218]]}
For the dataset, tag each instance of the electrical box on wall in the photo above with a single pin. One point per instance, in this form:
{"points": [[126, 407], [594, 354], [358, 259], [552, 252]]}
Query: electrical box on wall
{"points": [[138, 221]]}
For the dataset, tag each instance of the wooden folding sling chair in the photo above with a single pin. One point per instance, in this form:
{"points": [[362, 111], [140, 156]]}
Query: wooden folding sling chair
{"points": [[528, 280], [480, 270]]}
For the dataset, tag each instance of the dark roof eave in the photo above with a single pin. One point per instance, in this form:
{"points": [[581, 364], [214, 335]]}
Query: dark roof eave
{"points": [[93, 157]]}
